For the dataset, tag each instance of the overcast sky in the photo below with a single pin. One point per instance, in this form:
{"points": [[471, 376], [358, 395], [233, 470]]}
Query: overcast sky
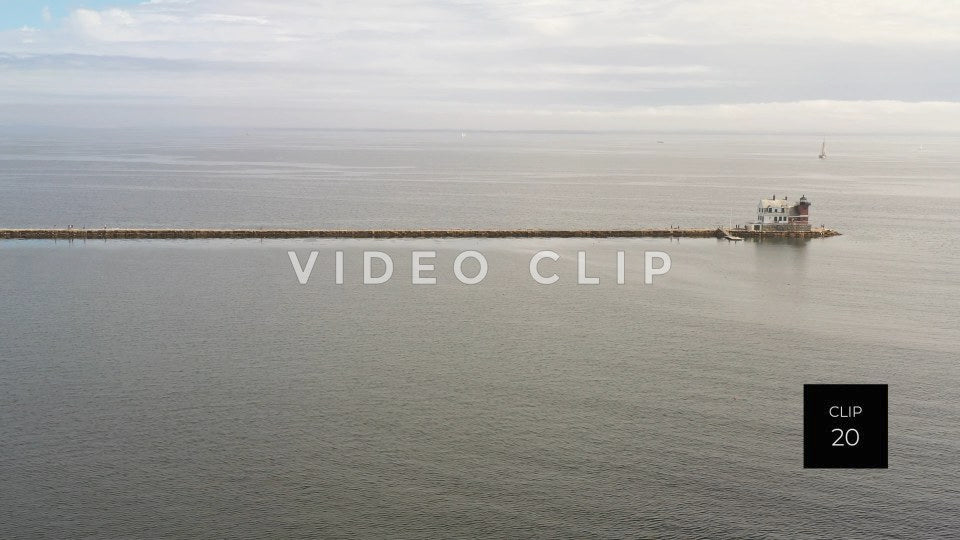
{"points": [[812, 66]]}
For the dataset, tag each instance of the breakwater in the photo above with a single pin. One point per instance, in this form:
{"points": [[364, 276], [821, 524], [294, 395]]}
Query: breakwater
{"points": [[137, 234]]}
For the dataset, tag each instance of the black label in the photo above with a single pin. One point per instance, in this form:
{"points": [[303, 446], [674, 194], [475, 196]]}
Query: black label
{"points": [[845, 426]]}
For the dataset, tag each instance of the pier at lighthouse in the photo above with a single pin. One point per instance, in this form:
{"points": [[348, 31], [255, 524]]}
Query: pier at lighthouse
{"points": [[776, 218]]}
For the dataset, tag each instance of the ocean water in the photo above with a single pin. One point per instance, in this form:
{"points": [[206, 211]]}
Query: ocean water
{"points": [[156, 389]]}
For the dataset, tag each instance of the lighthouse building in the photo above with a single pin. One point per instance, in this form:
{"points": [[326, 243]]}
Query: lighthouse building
{"points": [[782, 215]]}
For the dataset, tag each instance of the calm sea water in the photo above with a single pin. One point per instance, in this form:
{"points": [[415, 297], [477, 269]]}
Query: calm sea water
{"points": [[194, 389]]}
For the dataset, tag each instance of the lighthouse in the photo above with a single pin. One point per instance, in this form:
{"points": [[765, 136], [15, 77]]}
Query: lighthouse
{"points": [[775, 214], [802, 211]]}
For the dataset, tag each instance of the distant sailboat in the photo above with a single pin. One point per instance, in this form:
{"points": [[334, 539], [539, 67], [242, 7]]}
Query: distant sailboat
{"points": [[823, 150]]}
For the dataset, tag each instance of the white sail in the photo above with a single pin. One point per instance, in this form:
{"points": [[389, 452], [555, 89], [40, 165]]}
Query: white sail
{"points": [[823, 149]]}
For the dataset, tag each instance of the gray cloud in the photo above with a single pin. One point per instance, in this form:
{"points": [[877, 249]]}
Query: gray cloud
{"points": [[728, 64]]}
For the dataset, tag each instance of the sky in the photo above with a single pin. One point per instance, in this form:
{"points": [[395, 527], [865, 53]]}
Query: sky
{"points": [[884, 66]]}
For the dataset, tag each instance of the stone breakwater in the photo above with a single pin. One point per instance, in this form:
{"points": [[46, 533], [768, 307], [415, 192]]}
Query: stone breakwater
{"points": [[138, 234]]}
